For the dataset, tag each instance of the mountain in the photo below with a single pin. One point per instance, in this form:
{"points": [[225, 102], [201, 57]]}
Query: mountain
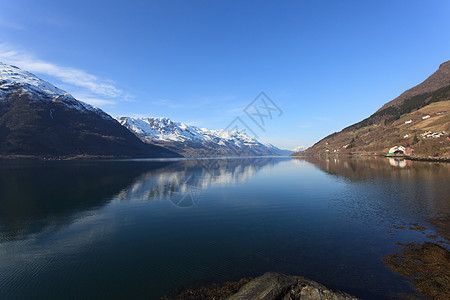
{"points": [[439, 79], [192, 141], [39, 119], [277, 151], [299, 148], [418, 118]]}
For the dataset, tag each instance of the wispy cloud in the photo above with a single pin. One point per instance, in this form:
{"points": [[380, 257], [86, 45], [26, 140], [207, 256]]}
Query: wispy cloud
{"points": [[94, 88], [94, 100], [221, 103], [320, 118], [168, 103], [304, 126], [9, 24]]}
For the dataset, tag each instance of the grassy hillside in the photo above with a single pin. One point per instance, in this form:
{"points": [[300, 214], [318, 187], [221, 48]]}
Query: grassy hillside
{"points": [[383, 130], [387, 128]]}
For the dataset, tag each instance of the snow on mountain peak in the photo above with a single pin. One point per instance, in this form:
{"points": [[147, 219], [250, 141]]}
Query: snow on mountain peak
{"points": [[299, 148], [12, 77], [153, 129], [166, 130]]}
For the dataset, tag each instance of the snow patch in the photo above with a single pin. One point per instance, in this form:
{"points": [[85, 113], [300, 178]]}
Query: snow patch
{"points": [[164, 129], [12, 77]]}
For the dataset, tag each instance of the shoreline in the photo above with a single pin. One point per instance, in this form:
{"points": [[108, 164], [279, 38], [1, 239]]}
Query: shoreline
{"points": [[32, 158], [102, 157], [442, 159], [445, 159], [425, 265]]}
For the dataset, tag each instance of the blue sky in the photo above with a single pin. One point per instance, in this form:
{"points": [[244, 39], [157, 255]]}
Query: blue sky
{"points": [[325, 64]]}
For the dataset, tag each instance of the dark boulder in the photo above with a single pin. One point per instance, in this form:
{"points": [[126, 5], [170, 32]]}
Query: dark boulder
{"points": [[279, 286]]}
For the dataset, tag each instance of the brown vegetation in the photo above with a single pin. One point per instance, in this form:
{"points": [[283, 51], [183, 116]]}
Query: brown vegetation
{"points": [[378, 138], [427, 265], [399, 122]]}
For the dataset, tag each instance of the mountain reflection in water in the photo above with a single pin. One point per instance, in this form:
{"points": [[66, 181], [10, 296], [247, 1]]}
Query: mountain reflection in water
{"points": [[416, 188], [183, 182], [36, 195], [419, 202], [142, 228]]}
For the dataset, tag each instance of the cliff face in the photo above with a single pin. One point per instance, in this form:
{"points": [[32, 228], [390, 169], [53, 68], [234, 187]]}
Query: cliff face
{"points": [[418, 118]]}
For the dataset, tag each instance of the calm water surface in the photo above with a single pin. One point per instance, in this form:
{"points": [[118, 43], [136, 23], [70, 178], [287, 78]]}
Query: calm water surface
{"points": [[141, 229]]}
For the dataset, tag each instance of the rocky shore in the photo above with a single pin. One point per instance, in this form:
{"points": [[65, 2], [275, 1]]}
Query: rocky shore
{"points": [[409, 157], [266, 287], [430, 158]]}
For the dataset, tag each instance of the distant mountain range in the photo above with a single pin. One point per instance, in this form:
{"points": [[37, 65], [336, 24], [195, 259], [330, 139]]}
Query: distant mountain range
{"points": [[192, 141], [38, 119], [418, 118], [299, 148]]}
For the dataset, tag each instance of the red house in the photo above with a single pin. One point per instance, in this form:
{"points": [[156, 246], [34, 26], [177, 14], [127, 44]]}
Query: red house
{"points": [[409, 150]]}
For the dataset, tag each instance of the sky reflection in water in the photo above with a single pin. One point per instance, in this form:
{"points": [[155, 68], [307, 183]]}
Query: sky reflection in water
{"points": [[133, 229]]}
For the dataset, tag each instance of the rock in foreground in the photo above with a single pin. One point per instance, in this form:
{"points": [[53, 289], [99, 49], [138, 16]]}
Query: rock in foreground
{"points": [[280, 286], [266, 287]]}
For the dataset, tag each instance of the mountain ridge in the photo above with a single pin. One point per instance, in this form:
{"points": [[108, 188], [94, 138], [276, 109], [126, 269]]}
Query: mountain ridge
{"points": [[440, 78], [184, 138]]}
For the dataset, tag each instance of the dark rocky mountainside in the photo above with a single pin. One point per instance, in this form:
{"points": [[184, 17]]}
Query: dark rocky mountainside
{"points": [[418, 118], [38, 119]]}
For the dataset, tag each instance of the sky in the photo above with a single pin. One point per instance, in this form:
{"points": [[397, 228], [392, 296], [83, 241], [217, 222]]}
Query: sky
{"points": [[322, 65]]}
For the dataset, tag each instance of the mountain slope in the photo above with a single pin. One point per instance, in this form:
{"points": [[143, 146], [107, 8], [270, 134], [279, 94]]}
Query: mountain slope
{"points": [[402, 121], [438, 80], [277, 151], [192, 141], [38, 119]]}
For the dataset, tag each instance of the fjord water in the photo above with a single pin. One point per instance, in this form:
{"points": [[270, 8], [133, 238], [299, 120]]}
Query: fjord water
{"points": [[144, 228]]}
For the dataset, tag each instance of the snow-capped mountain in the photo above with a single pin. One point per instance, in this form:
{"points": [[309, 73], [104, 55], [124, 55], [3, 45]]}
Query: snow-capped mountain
{"points": [[299, 148], [13, 78], [192, 141], [277, 150], [39, 119]]}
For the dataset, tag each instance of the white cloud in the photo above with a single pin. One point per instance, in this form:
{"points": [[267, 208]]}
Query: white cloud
{"points": [[222, 104], [320, 118], [9, 24], [168, 103], [94, 101], [94, 88]]}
